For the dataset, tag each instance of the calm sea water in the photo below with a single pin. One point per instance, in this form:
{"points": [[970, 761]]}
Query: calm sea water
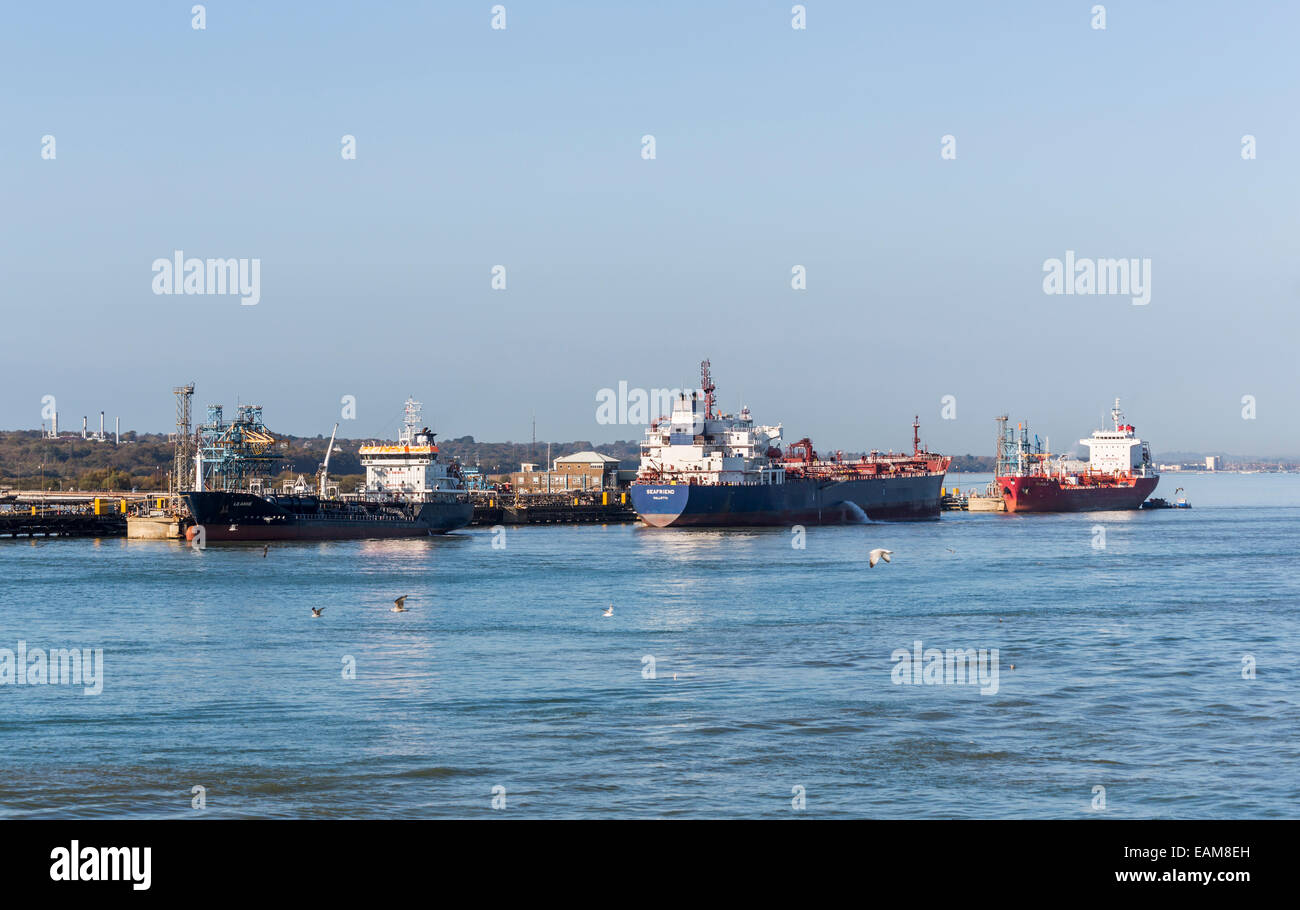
{"points": [[772, 670]]}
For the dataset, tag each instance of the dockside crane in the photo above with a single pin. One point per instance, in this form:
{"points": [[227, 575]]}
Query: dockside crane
{"points": [[324, 470]]}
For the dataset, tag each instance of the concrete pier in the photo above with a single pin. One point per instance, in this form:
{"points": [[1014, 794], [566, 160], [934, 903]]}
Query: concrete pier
{"points": [[153, 527]]}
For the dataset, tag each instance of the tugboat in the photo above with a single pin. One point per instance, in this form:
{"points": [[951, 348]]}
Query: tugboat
{"points": [[408, 492], [1155, 502], [704, 468]]}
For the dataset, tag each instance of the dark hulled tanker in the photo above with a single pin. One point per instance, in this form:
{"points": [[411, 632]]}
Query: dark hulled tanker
{"points": [[699, 468], [409, 492]]}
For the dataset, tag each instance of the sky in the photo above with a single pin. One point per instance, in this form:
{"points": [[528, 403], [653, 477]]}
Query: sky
{"points": [[774, 147]]}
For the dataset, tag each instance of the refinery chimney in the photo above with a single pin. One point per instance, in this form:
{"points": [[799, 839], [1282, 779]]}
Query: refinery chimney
{"points": [[117, 431], [101, 426], [83, 426]]}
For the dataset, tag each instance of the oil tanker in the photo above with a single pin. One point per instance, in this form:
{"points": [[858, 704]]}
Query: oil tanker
{"points": [[408, 492], [703, 468], [1117, 475]]}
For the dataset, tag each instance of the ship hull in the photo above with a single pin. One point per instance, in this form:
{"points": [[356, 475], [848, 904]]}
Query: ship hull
{"points": [[228, 516], [1048, 494], [807, 502]]}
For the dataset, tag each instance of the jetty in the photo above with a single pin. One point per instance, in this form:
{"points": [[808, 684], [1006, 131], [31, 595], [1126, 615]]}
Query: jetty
{"points": [[61, 522], [955, 500], [591, 507]]}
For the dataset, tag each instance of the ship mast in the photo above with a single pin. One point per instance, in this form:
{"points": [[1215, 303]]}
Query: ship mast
{"points": [[706, 386], [410, 421], [1003, 448]]}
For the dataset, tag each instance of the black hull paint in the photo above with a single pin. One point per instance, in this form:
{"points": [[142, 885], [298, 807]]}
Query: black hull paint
{"points": [[245, 517]]}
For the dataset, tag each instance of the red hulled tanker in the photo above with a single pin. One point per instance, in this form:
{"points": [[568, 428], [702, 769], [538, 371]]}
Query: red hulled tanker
{"points": [[1117, 475]]}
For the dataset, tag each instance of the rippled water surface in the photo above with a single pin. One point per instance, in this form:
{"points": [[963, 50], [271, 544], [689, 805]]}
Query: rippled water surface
{"points": [[772, 670]]}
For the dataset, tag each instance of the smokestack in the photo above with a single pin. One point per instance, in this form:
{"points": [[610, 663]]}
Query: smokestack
{"points": [[83, 426], [117, 431], [101, 426], [198, 472], [54, 427]]}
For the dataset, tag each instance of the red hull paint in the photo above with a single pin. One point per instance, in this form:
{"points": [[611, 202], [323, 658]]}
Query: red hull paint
{"points": [[1048, 494]]}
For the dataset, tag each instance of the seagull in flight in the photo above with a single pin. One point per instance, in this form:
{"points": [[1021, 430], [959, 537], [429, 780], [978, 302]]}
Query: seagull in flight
{"points": [[876, 555], [401, 604], [317, 611], [609, 612]]}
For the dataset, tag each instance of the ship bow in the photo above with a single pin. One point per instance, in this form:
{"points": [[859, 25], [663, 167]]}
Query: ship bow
{"points": [[660, 505]]}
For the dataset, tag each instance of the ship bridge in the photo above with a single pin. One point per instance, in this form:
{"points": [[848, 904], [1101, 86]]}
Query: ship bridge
{"points": [[410, 466], [1117, 451], [699, 445]]}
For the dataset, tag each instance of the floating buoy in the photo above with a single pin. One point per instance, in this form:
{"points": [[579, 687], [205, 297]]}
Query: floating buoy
{"points": [[190, 532]]}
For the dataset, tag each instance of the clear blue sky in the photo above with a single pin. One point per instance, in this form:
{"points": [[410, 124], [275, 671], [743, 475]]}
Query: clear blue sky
{"points": [[774, 147]]}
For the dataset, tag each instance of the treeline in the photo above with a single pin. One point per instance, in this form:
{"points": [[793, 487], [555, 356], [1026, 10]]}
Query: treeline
{"points": [[144, 461], [972, 464]]}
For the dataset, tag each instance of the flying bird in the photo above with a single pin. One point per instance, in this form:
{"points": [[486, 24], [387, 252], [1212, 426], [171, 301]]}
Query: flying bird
{"points": [[609, 612], [401, 604], [876, 555], [317, 611]]}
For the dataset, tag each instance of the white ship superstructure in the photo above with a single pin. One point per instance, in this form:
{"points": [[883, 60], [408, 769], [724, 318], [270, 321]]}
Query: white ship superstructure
{"points": [[411, 467], [696, 446], [1118, 451]]}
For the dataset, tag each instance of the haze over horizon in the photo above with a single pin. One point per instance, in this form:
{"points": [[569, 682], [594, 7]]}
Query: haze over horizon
{"points": [[774, 148]]}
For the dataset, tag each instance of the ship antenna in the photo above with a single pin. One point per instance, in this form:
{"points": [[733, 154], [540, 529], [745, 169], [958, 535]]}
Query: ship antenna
{"points": [[916, 435], [706, 385]]}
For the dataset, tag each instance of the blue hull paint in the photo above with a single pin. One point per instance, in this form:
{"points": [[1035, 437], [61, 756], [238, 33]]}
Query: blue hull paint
{"points": [[794, 502]]}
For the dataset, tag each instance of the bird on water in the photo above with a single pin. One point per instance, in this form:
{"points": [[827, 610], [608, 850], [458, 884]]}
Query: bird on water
{"points": [[317, 611], [609, 612]]}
